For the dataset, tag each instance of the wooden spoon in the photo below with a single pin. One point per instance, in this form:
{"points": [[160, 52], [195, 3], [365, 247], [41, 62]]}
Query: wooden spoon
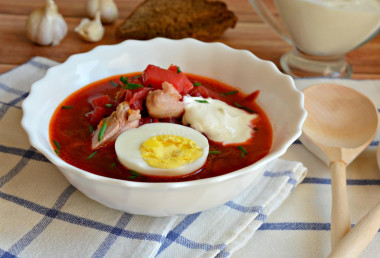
{"points": [[341, 123], [360, 236]]}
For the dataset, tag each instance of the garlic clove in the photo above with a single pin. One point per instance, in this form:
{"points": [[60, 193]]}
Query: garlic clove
{"points": [[108, 10], [45, 26], [91, 30]]}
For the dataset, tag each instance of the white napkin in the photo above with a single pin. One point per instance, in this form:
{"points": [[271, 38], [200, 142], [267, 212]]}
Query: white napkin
{"points": [[42, 215]]}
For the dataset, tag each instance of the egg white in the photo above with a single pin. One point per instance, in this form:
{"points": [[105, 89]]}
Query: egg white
{"points": [[127, 147]]}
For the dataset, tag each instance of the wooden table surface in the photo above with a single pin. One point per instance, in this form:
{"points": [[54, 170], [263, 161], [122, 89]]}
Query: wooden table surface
{"points": [[251, 33]]}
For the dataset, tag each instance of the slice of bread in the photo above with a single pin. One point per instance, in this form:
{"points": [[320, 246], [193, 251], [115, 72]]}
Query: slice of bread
{"points": [[176, 19]]}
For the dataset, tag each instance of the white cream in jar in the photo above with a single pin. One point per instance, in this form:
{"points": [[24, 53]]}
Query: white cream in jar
{"points": [[329, 27]]}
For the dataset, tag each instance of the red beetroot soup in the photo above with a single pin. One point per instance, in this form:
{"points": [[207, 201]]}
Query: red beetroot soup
{"points": [[74, 121]]}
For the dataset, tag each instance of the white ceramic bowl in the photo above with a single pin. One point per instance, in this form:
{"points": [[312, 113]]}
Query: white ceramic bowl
{"points": [[239, 68]]}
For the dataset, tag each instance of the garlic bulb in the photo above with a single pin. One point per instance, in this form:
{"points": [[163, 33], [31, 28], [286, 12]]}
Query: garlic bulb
{"points": [[91, 30], [108, 10], [46, 26]]}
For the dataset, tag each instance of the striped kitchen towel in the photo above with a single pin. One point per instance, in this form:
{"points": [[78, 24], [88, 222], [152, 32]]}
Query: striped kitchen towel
{"points": [[42, 215]]}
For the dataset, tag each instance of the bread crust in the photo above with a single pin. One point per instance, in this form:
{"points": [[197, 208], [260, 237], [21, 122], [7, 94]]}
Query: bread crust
{"points": [[201, 19]]}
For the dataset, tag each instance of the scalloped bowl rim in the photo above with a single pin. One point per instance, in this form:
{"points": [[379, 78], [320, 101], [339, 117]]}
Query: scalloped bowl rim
{"points": [[51, 156]]}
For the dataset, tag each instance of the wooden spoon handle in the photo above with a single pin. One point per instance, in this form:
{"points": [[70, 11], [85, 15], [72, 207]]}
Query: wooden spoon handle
{"points": [[360, 236], [340, 216]]}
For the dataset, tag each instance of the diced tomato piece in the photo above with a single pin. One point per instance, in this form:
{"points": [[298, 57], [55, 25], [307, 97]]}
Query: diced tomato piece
{"points": [[136, 102], [155, 76], [186, 84], [97, 114], [128, 95], [253, 96], [202, 91], [173, 68], [135, 81], [100, 101]]}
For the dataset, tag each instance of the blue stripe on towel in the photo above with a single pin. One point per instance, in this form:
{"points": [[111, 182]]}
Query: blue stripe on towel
{"points": [[181, 240], [194, 245], [6, 255], [373, 143], [261, 217], [295, 226], [28, 238], [244, 209], [298, 226], [38, 64], [16, 169], [4, 108], [286, 173], [278, 174], [7, 104], [11, 90], [77, 220], [292, 181], [177, 231], [31, 153], [111, 238], [353, 182]]}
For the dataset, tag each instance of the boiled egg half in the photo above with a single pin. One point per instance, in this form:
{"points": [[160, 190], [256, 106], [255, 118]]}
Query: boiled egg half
{"points": [[162, 149]]}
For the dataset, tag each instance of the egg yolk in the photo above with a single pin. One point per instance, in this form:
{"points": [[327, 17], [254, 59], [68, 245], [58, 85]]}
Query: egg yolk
{"points": [[169, 151]]}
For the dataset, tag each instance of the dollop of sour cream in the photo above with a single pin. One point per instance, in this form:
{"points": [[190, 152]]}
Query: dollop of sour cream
{"points": [[219, 121]]}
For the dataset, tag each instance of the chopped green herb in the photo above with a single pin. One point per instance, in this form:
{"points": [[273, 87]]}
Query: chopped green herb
{"points": [[201, 101], [197, 84], [249, 110], [114, 83], [215, 152], [127, 85], [67, 107], [92, 155], [178, 69], [243, 151], [91, 129], [57, 144], [228, 93], [57, 151], [109, 105], [245, 108], [137, 76], [113, 165], [150, 85], [131, 86], [124, 79], [102, 130], [134, 174]]}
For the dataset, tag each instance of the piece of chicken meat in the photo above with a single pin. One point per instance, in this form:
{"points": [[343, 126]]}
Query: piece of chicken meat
{"points": [[118, 122], [165, 103]]}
